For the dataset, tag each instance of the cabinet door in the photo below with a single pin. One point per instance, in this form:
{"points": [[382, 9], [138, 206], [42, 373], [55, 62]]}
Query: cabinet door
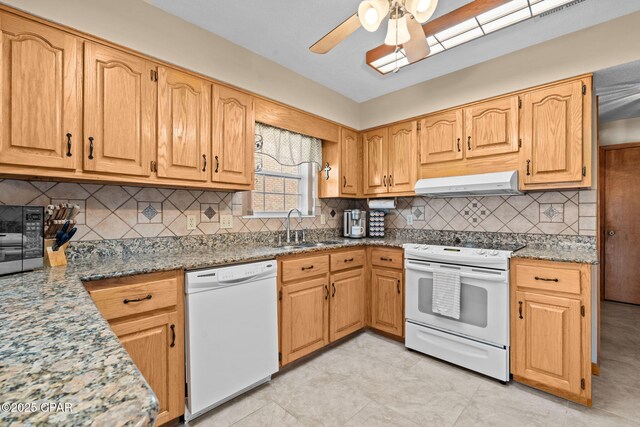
{"points": [[403, 151], [119, 112], [349, 161], [552, 134], [41, 71], [234, 136], [376, 160], [547, 347], [156, 346], [184, 125], [347, 303], [387, 312], [492, 127], [441, 137], [305, 318]]}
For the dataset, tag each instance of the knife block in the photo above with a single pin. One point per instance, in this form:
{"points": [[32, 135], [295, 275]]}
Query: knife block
{"points": [[54, 258]]}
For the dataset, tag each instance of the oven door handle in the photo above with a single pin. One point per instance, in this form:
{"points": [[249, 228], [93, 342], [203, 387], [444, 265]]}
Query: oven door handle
{"points": [[492, 277]]}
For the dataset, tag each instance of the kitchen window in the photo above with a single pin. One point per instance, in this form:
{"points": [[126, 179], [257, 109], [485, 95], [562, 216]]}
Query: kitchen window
{"points": [[286, 173]]}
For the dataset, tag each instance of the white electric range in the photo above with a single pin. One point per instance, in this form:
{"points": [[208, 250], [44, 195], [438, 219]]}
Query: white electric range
{"points": [[479, 339]]}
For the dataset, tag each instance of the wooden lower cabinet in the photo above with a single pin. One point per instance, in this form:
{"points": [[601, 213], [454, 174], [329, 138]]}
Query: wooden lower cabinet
{"points": [[551, 327], [387, 299], [146, 312], [347, 303], [305, 318]]}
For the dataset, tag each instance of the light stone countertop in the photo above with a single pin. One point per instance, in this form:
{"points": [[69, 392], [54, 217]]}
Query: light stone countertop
{"points": [[57, 347]]}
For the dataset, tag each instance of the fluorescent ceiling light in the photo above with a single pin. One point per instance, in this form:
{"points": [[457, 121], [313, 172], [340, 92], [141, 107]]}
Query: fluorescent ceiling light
{"points": [[384, 60], [541, 6], [507, 20], [457, 29], [500, 11], [392, 66], [463, 38]]}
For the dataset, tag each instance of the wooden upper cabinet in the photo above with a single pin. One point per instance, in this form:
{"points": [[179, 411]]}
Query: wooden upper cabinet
{"points": [[41, 104], [491, 127], [119, 112], [441, 137], [547, 343], [184, 125], [403, 163], [552, 135], [387, 312], [234, 137], [375, 147], [347, 303], [349, 161]]}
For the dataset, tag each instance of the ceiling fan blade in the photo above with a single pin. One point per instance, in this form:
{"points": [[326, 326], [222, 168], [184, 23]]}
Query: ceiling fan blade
{"points": [[417, 47], [336, 35]]}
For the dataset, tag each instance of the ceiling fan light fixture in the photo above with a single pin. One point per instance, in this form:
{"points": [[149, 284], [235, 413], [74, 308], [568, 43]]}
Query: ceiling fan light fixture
{"points": [[372, 12], [422, 10], [397, 31]]}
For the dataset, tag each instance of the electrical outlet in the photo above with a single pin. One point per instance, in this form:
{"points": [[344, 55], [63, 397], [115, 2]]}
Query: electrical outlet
{"points": [[323, 219], [226, 221], [409, 219], [191, 222]]}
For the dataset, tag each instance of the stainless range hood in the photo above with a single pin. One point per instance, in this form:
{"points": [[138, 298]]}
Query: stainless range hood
{"points": [[486, 184]]}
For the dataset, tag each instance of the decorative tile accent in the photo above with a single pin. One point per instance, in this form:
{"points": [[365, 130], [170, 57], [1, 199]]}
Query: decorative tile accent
{"points": [[418, 213], [114, 211], [551, 212]]}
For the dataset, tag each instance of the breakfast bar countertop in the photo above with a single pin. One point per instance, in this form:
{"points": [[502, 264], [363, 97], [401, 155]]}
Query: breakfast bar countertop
{"points": [[57, 347]]}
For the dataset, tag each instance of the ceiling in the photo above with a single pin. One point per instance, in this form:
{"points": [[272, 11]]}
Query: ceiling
{"points": [[618, 89], [283, 30]]}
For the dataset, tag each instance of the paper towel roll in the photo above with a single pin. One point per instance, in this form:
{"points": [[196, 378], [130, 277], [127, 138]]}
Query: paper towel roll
{"points": [[382, 204]]}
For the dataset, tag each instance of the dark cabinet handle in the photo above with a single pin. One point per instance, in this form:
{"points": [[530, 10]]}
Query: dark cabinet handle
{"points": [[348, 259], [520, 310], [469, 143], [333, 294], [217, 163], [204, 163], [344, 181], [382, 258], [90, 148], [127, 300], [528, 166], [390, 180], [69, 145], [173, 335], [459, 148], [384, 180], [326, 292], [308, 267], [547, 280], [398, 286]]}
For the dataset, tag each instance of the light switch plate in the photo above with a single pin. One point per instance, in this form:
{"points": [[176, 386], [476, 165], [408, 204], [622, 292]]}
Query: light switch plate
{"points": [[323, 219], [226, 221], [192, 222], [409, 219]]}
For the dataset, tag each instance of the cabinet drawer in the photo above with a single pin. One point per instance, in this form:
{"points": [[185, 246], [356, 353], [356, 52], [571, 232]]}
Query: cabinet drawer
{"points": [[126, 300], [391, 258], [551, 278], [344, 260], [301, 268]]}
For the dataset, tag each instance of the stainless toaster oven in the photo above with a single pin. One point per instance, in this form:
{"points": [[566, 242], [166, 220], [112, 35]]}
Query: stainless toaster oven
{"points": [[21, 238]]}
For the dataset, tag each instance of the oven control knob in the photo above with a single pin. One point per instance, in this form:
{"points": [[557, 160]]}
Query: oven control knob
{"points": [[481, 251], [493, 253]]}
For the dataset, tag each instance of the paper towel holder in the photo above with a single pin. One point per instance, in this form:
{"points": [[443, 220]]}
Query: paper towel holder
{"points": [[384, 205]]}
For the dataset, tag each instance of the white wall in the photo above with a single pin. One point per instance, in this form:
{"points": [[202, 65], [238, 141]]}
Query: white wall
{"points": [[620, 131], [147, 29], [605, 45]]}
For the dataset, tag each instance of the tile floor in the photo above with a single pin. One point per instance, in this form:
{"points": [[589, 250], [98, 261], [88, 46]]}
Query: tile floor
{"points": [[372, 381]]}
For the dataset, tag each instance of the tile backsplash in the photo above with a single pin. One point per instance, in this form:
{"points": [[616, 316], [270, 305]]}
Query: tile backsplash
{"points": [[116, 211], [551, 212]]}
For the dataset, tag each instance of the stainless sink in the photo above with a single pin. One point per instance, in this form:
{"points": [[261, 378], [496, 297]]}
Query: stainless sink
{"points": [[308, 244]]}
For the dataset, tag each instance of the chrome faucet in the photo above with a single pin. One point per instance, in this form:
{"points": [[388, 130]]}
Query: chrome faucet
{"points": [[289, 222]]}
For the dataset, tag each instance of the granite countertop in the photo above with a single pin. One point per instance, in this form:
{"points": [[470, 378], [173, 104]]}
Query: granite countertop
{"points": [[57, 347], [562, 254]]}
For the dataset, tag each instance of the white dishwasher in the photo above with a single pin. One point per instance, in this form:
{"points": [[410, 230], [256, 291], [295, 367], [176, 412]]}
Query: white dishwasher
{"points": [[231, 318]]}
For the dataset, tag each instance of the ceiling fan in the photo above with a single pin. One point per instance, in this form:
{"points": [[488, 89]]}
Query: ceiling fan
{"points": [[404, 29]]}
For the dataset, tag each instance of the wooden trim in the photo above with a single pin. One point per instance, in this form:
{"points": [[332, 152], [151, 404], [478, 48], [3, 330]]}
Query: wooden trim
{"points": [[595, 369], [457, 16]]}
